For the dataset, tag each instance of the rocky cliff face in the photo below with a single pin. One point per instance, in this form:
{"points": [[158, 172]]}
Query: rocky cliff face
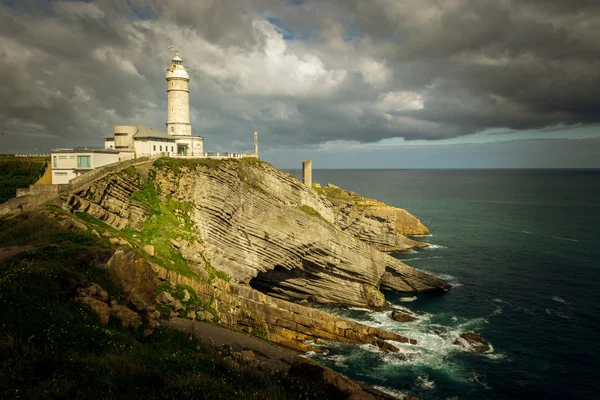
{"points": [[373, 221], [264, 228]]}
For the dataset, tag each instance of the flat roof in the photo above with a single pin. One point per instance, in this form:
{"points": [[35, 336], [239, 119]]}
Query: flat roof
{"points": [[85, 150]]}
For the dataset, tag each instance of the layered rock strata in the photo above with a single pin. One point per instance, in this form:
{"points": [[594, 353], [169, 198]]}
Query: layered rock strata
{"points": [[372, 221], [243, 308], [109, 199], [263, 227]]}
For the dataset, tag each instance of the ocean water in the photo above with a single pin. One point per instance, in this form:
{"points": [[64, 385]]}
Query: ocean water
{"points": [[522, 251]]}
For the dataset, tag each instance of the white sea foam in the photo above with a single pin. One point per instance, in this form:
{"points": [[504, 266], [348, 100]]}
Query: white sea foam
{"points": [[431, 246], [360, 309], [559, 300], [421, 235], [425, 383], [498, 311], [527, 232], [420, 258], [391, 392], [338, 360], [564, 238]]}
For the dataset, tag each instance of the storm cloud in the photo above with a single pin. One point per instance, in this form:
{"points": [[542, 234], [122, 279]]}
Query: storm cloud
{"points": [[302, 73]]}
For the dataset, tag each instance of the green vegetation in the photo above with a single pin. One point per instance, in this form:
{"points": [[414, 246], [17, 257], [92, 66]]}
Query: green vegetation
{"points": [[18, 172], [334, 192], [50, 347], [213, 273], [175, 164], [161, 226], [193, 303], [311, 211]]}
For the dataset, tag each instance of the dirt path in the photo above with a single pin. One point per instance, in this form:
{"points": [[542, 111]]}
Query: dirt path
{"points": [[278, 358], [274, 356], [46, 179]]}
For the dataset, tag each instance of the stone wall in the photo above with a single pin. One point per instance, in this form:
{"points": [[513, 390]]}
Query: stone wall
{"points": [[279, 321]]}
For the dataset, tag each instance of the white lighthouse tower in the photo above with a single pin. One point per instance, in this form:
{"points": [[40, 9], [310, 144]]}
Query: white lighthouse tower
{"points": [[178, 98], [179, 124]]}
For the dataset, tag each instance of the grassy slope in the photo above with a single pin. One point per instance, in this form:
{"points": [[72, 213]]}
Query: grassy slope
{"points": [[52, 348], [17, 172]]}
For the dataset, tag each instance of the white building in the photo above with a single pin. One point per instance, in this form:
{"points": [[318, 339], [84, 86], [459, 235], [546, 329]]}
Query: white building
{"points": [[70, 163], [140, 140]]}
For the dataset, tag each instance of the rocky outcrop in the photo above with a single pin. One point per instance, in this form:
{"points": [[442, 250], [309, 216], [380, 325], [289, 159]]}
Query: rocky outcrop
{"points": [[243, 308], [403, 316], [109, 199], [372, 221], [473, 341], [263, 227], [96, 300]]}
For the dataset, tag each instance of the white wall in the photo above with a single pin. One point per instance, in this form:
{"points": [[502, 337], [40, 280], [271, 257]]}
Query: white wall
{"points": [[62, 176], [100, 159], [145, 148], [64, 169]]}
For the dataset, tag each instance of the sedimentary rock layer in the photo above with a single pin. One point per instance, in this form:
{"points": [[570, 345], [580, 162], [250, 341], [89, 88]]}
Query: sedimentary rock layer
{"points": [[292, 325], [372, 221], [263, 227]]}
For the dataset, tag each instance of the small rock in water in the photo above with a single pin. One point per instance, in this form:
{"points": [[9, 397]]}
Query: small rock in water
{"points": [[408, 299], [403, 316], [473, 341], [385, 346]]}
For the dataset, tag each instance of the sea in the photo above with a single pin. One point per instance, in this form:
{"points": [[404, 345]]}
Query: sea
{"points": [[521, 249]]}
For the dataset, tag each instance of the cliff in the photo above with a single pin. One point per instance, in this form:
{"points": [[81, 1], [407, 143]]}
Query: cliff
{"points": [[372, 221], [262, 227]]}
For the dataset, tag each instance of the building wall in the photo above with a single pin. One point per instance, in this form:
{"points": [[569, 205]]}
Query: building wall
{"points": [[64, 165], [178, 107], [100, 159], [63, 176], [123, 137], [109, 143], [195, 145], [150, 147]]}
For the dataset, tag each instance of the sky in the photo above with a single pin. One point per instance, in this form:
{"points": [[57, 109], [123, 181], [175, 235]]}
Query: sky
{"points": [[346, 83]]}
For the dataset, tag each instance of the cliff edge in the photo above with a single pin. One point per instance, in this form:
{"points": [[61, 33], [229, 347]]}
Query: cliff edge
{"points": [[262, 227]]}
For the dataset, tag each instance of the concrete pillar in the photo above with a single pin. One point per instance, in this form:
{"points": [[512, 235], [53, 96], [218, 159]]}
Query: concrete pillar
{"points": [[256, 144], [307, 173]]}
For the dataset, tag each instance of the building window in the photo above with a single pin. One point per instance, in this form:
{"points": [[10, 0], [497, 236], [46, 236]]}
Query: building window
{"points": [[154, 148], [84, 162], [54, 162], [172, 129], [160, 148], [171, 148]]}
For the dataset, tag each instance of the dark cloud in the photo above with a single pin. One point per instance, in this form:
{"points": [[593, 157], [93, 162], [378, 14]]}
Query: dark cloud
{"points": [[349, 69]]}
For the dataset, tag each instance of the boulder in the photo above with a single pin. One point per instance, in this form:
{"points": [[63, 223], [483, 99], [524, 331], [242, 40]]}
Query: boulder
{"points": [[176, 304], [473, 341], [164, 297], [128, 318], [94, 290], [99, 308], [135, 276], [149, 249], [385, 346], [403, 316]]}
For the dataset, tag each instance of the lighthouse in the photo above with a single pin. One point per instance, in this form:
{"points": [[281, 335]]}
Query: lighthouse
{"points": [[178, 98]]}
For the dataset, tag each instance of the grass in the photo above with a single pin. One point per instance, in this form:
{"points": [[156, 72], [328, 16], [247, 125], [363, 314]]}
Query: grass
{"points": [[160, 227], [60, 351], [18, 172], [311, 211]]}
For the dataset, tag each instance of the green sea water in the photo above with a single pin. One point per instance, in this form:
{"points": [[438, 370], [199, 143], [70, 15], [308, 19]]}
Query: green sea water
{"points": [[521, 249]]}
